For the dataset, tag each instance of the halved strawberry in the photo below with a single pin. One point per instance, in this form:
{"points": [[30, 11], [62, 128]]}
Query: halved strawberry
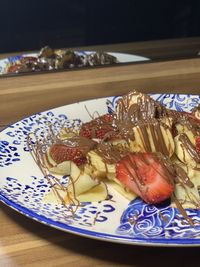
{"points": [[145, 175], [98, 128], [62, 152]]}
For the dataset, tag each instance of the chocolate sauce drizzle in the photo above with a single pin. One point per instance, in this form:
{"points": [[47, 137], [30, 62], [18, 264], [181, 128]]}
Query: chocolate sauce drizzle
{"points": [[190, 148], [139, 111], [38, 149]]}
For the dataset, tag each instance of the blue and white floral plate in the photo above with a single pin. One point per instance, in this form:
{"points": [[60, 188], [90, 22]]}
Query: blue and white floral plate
{"points": [[23, 187]]}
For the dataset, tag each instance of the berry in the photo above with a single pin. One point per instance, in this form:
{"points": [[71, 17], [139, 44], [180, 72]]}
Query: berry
{"points": [[145, 175]]}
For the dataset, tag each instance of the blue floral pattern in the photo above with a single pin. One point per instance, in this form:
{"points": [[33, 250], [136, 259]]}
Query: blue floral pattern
{"points": [[8, 153], [173, 101], [33, 192], [177, 101], [147, 221]]}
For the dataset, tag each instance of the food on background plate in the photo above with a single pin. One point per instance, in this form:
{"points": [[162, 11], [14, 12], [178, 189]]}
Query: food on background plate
{"points": [[54, 59], [142, 149]]}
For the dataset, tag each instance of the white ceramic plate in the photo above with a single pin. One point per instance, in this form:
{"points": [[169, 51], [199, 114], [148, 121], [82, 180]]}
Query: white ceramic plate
{"points": [[122, 58], [22, 187]]}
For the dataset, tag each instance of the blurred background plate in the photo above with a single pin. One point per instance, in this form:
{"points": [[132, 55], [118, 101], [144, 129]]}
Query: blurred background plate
{"points": [[121, 57]]}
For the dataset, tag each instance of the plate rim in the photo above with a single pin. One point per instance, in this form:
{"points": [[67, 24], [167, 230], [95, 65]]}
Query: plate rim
{"points": [[156, 242]]}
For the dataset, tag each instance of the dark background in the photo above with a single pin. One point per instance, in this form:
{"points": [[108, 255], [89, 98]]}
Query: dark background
{"points": [[30, 25]]}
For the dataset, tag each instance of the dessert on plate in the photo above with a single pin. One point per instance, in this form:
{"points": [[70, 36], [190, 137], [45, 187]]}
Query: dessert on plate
{"points": [[141, 149]]}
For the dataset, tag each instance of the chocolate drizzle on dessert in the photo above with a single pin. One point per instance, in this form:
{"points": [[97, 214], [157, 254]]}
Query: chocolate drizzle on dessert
{"points": [[136, 106], [187, 120], [153, 130], [196, 109], [109, 153], [182, 210], [142, 113], [135, 113], [190, 148], [165, 219], [145, 114], [38, 149], [182, 177]]}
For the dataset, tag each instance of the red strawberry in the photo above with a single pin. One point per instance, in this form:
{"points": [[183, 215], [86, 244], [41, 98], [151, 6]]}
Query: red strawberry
{"points": [[197, 141], [107, 117], [98, 128], [145, 175], [62, 152], [14, 68]]}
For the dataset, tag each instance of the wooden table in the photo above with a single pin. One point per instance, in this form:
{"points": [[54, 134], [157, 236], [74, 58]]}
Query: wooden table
{"points": [[24, 242]]}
